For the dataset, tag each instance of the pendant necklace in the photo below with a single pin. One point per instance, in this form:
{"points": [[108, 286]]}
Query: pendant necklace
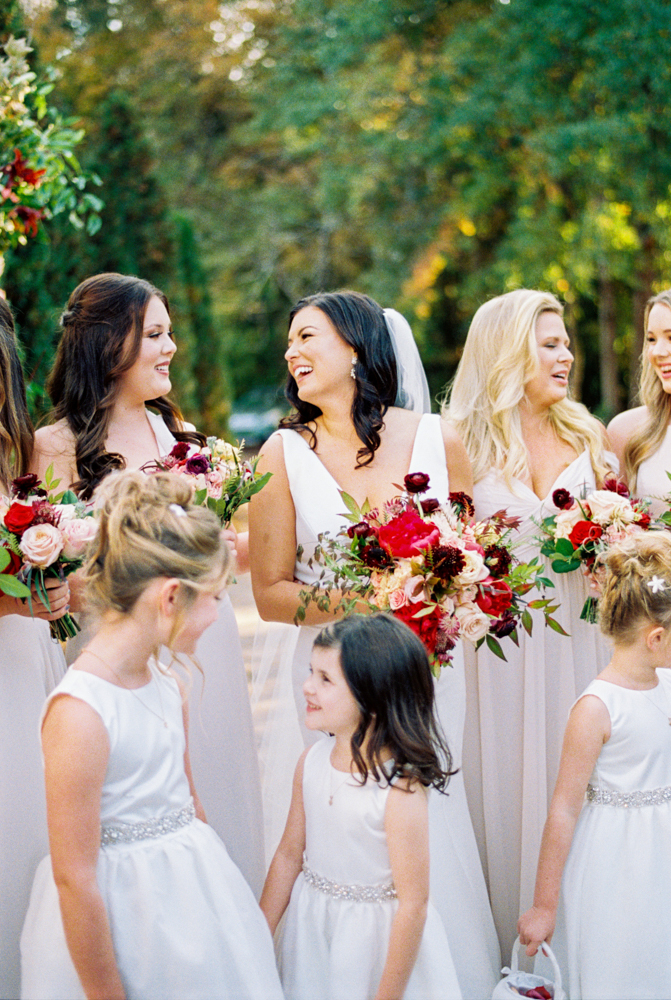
{"points": [[339, 786], [132, 691]]}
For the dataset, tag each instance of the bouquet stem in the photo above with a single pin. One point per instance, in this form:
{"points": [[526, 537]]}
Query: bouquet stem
{"points": [[590, 610], [64, 628]]}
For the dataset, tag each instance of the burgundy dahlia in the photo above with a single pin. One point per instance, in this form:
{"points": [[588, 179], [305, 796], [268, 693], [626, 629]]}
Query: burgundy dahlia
{"points": [[375, 557], [497, 560], [180, 451], [23, 485], [448, 561]]}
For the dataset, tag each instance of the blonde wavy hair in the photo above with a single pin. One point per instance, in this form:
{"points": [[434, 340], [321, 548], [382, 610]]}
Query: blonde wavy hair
{"points": [[651, 393], [149, 529], [627, 599], [500, 357]]}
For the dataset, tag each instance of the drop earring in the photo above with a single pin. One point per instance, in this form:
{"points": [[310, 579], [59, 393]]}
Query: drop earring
{"points": [[352, 371]]}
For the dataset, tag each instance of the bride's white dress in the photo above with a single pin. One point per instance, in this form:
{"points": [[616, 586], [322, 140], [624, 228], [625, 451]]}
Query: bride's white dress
{"points": [[517, 711], [31, 665], [222, 746], [457, 885]]}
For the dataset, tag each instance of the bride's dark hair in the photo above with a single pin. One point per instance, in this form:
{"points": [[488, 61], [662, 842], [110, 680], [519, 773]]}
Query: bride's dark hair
{"points": [[102, 335], [360, 321]]}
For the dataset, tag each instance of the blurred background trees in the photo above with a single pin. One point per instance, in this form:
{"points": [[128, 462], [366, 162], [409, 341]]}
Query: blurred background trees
{"points": [[432, 153]]}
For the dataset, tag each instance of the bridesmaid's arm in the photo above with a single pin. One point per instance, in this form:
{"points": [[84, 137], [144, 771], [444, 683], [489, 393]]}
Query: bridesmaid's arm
{"points": [[76, 752], [459, 471], [272, 546], [587, 730]]}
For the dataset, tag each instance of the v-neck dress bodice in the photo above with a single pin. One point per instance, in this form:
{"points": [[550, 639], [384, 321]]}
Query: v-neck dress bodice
{"points": [[457, 885], [517, 710]]}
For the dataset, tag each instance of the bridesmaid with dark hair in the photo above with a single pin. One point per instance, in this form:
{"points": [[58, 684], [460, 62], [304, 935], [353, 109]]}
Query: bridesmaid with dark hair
{"points": [[109, 387], [30, 667]]}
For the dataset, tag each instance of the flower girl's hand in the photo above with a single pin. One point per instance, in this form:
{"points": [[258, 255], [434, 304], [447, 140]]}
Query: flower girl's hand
{"points": [[535, 926]]}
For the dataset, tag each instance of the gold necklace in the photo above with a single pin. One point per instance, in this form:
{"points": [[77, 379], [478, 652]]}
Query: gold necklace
{"points": [[132, 690]]}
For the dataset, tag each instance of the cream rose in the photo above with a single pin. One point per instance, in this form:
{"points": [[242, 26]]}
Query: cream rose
{"points": [[41, 544], [607, 506], [77, 535], [474, 622], [567, 520], [474, 569], [68, 511]]}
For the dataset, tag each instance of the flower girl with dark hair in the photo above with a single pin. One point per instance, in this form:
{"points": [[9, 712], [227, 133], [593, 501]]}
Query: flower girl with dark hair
{"points": [[353, 864]]}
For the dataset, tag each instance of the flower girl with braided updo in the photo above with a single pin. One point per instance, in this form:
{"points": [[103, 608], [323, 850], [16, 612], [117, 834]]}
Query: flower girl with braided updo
{"points": [[614, 848], [139, 897]]}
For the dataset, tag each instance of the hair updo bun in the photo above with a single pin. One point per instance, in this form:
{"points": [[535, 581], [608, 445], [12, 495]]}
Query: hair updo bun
{"points": [[631, 594], [149, 529]]}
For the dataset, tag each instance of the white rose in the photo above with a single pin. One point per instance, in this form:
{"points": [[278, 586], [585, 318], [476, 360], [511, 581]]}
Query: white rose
{"points": [[68, 511], [474, 568], [474, 622], [77, 535], [607, 507], [41, 544], [567, 520]]}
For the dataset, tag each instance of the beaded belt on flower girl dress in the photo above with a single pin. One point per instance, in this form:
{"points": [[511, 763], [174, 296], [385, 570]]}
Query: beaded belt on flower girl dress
{"points": [[354, 893], [130, 833], [629, 800]]}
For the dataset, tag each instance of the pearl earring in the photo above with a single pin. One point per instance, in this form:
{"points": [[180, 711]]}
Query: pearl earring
{"points": [[352, 371]]}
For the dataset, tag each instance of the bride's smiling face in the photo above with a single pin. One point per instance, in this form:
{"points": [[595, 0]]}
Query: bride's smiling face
{"points": [[319, 359], [148, 377]]}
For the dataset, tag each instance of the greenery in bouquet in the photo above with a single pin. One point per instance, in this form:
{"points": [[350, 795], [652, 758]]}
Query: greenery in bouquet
{"points": [[583, 529], [42, 534], [446, 576], [222, 479]]}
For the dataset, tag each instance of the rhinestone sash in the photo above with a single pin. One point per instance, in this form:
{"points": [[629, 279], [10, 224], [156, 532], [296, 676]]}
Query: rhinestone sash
{"points": [[355, 893], [627, 800], [130, 833]]}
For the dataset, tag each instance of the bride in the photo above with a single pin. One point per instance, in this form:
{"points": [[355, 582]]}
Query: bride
{"points": [[109, 386], [360, 424]]}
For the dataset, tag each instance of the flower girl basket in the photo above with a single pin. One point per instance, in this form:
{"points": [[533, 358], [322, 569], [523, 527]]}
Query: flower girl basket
{"points": [[518, 983]]}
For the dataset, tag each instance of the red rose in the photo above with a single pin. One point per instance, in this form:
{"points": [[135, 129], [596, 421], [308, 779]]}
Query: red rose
{"points": [[407, 534], [426, 627], [644, 520], [19, 517], [585, 531], [494, 598]]}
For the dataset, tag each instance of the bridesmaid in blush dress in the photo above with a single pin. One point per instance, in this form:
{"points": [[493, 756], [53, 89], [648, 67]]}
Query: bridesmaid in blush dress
{"points": [[642, 437], [525, 439], [360, 424], [108, 387], [31, 665]]}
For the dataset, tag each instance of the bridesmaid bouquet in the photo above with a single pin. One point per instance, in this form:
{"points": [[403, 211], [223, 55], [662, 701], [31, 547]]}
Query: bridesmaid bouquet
{"points": [[584, 529], [222, 479], [42, 534], [427, 563]]}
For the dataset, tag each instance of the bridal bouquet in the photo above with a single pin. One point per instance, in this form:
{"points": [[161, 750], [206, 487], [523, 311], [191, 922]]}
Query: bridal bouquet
{"points": [[584, 528], [222, 479], [427, 563], [42, 534]]}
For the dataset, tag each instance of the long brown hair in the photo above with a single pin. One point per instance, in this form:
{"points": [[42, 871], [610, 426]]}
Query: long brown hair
{"points": [[647, 440], [16, 429], [102, 334]]}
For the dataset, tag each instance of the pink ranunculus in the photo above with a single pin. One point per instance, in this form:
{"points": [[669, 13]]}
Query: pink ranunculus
{"points": [[77, 535], [397, 599], [41, 544]]}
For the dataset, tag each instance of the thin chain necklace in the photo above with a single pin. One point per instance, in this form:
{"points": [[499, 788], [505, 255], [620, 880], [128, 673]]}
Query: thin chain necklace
{"points": [[655, 704], [132, 690]]}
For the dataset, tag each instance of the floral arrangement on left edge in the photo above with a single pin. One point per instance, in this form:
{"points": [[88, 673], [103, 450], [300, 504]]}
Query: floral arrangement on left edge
{"points": [[42, 534]]}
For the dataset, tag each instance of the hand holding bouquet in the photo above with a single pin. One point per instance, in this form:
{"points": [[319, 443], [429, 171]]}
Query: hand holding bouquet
{"points": [[446, 577], [42, 535], [585, 528], [222, 479]]}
